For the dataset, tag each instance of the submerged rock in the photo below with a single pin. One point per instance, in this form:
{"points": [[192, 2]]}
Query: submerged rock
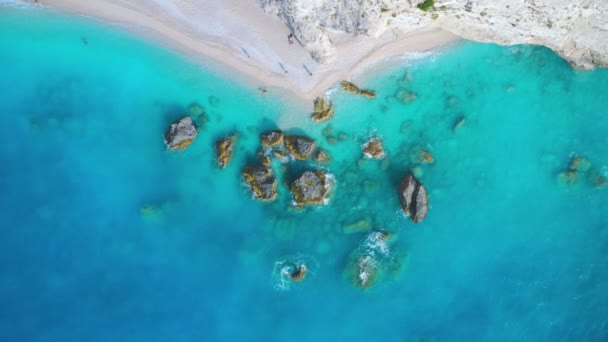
{"points": [[373, 149], [567, 178], [580, 164], [272, 138], [180, 134], [421, 156], [405, 96], [359, 226], [413, 198], [299, 146], [262, 182], [224, 149], [310, 188], [323, 111], [280, 156], [322, 157], [597, 180], [458, 124], [371, 259]]}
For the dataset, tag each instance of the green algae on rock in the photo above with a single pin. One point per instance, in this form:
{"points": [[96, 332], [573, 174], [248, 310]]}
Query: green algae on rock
{"points": [[262, 182]]}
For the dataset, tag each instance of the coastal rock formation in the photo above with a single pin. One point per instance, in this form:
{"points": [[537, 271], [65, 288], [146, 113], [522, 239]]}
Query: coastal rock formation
{"points": [[413, 198], [180, 134], [272, 138], [224, 148], [300, 147], [353, 89], [262, 182], [323, 111], [373, 149], [310, 188], [577, 31]]}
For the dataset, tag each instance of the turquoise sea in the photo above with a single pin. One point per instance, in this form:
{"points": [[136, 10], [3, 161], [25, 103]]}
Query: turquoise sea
{"points": [[107, 236]]}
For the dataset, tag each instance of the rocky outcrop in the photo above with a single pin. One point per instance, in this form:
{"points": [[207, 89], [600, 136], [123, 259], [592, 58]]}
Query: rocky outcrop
{"points": [[413, 198], [353, 89], [310, 188], [262, 182], [299, 273], [271, 138], [300, 147], [224, 149], [323, 111], [577, 31], [322, 157], [373, 149], [180, 134]]}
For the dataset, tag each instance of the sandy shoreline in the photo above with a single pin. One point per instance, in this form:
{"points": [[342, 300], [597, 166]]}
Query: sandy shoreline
{"points": [[239, 39]]}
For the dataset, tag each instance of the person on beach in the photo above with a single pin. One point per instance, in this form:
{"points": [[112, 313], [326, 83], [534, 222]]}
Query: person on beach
{"points": [[290, 38]]}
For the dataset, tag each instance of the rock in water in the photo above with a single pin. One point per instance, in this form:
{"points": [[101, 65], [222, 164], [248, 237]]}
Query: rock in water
{"points": [[224, 148], [323, 111], [180, 134], [413, 198], [373, 149], [350, 87], [299, 273], [272, 138], [368, 93], [262, 182], [310, 188], [458, 124], [322, 157], [300, 147], [581, 164], [405, 96], [353, 89]]}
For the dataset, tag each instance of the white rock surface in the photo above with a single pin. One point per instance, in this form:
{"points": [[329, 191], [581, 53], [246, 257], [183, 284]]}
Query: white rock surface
{"points": [[576, 30]]}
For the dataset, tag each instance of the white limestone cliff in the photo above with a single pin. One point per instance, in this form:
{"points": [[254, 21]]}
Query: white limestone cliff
{"points": [[576, 30]]}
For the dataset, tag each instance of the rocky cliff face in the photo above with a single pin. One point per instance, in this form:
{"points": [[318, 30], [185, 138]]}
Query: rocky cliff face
{"points": [[576, 30]]}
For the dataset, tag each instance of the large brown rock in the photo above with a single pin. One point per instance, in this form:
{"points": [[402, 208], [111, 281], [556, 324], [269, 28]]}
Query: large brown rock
{"points": [[413, 198], [300, 147], [272, 138], [224, 149], [180, 134], [310, 188], [262, 181], [373, 149]]}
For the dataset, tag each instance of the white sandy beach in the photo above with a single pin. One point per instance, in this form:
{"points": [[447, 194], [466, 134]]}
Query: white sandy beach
{"points": [[239, 38]]}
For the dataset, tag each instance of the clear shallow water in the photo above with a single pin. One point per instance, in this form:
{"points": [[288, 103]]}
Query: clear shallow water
{"points": [[506, 253]]}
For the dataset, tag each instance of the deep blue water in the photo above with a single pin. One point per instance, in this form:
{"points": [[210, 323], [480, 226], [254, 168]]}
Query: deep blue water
{"points": [[507, 252]]}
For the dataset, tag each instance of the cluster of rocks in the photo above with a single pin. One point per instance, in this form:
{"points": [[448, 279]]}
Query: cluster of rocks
{"points": [[581, 166], [353, 89], [311, 187]]}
